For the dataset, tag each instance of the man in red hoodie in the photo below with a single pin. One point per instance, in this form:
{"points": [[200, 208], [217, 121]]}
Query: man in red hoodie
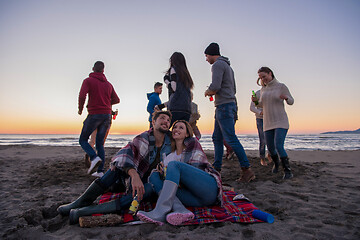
{"points": [[101, 96]]}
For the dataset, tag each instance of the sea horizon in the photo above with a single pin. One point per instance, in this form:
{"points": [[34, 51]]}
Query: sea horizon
{"points": [[249, 141]]}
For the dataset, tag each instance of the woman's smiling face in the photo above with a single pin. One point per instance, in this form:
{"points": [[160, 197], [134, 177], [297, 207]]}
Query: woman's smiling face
{"points": [[179, 131], [265, 77]]}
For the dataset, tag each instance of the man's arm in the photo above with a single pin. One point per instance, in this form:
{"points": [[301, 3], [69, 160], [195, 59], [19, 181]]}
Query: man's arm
{"points": [[217, 74], [136, 183], [151, 104], [217, 77], [82, 96], [114, 97]]}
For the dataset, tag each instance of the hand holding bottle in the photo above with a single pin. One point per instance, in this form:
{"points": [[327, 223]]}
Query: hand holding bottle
{"points": [[134, 205], [115, 114], [210, 93], [254, 98]]}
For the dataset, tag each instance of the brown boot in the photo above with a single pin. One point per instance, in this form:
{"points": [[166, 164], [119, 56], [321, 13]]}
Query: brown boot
{"points": [[247, 175]]}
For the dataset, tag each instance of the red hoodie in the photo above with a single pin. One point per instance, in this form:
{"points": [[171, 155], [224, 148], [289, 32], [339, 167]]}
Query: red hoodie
{"points": [[101, 94]]}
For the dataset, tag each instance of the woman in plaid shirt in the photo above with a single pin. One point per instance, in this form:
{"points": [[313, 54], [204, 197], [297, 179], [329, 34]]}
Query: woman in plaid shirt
{"points": [[189, 180]]}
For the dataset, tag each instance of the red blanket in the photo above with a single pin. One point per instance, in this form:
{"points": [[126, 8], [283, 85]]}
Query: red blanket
{"points": [[232, 211]]}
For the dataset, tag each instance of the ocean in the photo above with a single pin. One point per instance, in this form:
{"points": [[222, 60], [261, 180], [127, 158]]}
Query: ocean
{"points": [[249, 142]]}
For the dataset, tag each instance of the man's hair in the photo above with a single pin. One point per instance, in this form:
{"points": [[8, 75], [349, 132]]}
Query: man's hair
{"points": [[157, 84], [156, 114], [99, 66]]}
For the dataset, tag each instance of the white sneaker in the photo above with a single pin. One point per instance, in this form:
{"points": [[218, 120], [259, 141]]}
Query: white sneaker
{"points": [[97, 174], [93, 164]]}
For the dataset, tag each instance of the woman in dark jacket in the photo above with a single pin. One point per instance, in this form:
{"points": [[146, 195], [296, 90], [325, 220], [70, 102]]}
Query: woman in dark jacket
{"points": [[179, 83]]}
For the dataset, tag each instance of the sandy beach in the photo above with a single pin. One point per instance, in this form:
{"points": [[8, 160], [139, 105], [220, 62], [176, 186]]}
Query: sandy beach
{"points": [[321, 201]]}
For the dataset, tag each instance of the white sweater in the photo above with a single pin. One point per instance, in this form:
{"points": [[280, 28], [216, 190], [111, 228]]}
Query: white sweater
{"points": [[274, 114]]}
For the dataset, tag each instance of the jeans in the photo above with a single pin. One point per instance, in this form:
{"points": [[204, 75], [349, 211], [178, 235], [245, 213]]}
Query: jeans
{"points": [[275, 139], [110, 177], [102, 123], [224, 129], [197, 188], [259, 125]]}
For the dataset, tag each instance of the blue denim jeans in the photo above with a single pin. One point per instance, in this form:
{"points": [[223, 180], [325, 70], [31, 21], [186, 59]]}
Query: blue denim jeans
{"points": [[197, 188], [275, 139], [224, 129], [259, 125], [102, 123], [110, 177]]}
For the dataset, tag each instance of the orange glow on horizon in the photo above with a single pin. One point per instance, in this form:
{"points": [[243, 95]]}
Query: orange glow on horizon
{"points": [[206, 125]]}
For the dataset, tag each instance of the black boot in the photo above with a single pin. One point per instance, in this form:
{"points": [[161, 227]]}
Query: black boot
{"points": [[87, 198], [108, 207], [114, 206], [287, 170], [276, 161]]}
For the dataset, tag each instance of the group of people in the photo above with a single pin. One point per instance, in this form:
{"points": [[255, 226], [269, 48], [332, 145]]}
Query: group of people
{"points": [[172, 165]]}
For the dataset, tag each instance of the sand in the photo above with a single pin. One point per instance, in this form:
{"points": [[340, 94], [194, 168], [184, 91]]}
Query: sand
{"points": [[320, 202]]}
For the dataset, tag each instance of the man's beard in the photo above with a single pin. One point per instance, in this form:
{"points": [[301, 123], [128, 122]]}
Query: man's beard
{"points": [[163, 130]]}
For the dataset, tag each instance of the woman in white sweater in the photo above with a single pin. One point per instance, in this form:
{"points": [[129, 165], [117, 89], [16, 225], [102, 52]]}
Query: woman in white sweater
{"points": [[276, 123]]}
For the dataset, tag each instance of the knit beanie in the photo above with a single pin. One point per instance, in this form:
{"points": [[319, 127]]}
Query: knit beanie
{"points": [[213, 49]]}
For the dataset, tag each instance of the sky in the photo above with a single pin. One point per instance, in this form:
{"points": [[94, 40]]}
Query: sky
{"points": [[47, 48]]}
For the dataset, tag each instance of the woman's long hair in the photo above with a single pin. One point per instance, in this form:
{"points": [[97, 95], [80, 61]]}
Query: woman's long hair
{"points": [[189, 131], [260, 82], [266, 70], [177, 60]]}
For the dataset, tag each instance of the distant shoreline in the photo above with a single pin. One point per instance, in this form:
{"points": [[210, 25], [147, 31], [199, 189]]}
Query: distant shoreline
{"points": [[343, 132]]}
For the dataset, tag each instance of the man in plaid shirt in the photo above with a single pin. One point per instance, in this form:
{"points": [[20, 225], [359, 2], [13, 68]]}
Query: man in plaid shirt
{"points": [[134, 162]]}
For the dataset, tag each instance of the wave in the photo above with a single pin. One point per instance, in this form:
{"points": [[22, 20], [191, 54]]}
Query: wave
{"points": [[250, 142]]}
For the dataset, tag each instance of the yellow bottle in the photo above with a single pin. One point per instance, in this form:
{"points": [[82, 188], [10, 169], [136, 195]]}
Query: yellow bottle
{"points": [[134, 205]]}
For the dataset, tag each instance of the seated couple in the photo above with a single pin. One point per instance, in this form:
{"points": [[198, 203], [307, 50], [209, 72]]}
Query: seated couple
{"points": [[171, 165]]}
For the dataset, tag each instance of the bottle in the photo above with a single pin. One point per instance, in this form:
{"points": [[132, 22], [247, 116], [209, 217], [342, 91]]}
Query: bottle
{"points": [[134, 205], [254, 95], [116, 113], [165, 166], [211, 98]]}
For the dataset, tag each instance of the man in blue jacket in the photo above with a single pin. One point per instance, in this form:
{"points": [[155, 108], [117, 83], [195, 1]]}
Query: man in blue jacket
{"points": [[154, 100]]}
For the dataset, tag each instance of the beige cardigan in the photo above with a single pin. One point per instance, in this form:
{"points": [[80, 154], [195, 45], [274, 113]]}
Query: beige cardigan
{"points": [[274, 114]]}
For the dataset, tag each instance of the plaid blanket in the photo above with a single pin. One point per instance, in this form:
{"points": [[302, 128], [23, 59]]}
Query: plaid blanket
{"points": [[232, 211]]}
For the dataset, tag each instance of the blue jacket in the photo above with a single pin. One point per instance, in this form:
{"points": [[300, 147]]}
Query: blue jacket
{"points": [[154, 100]]}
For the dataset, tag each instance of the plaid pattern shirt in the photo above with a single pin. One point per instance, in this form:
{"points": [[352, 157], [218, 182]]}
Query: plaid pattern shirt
{"points": [[140, 153], [195, 156]]}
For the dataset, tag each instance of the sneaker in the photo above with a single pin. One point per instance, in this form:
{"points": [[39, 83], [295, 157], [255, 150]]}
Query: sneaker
{"points": [[93, 164], [97, 174]]}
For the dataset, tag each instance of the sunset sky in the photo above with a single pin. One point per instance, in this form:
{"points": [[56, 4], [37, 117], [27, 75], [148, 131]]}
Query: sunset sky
{"points": [[47, 48]]}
